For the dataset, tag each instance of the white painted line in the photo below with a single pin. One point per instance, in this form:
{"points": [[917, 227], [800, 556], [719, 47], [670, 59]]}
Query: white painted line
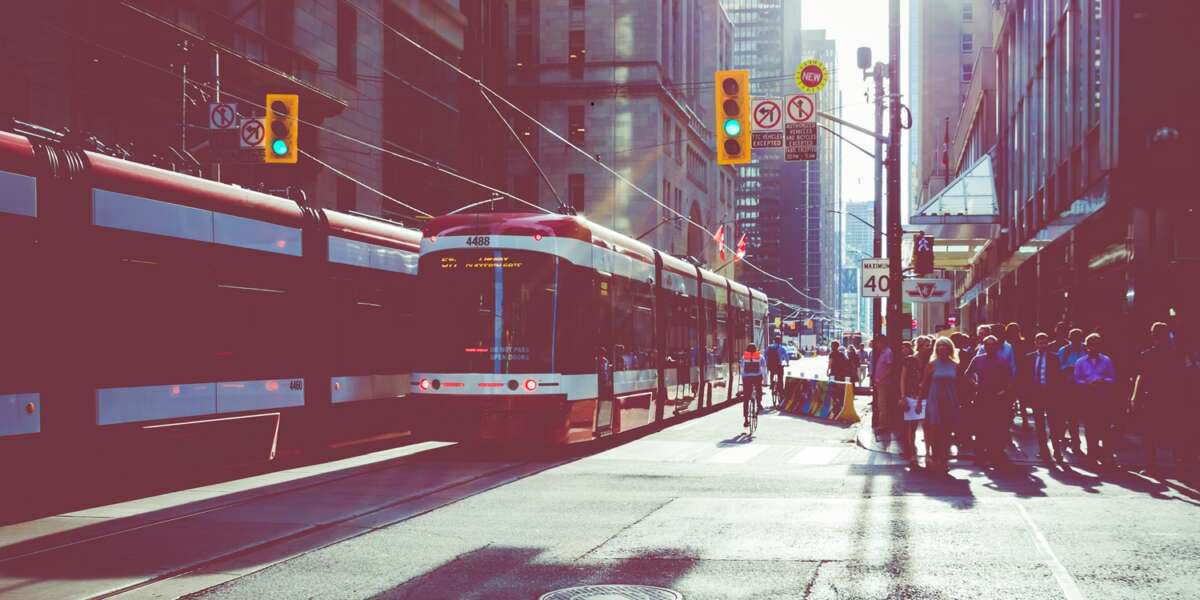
{"points": [[814, 455], [736, 455], [1064, 579]]}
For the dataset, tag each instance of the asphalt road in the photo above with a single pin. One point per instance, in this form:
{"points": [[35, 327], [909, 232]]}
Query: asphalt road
{"points": [[799, 511]]}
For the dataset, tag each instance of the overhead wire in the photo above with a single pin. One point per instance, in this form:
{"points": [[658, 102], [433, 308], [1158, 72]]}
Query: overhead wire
{"points": [[428, 164], [433, 164], [484, 87]]}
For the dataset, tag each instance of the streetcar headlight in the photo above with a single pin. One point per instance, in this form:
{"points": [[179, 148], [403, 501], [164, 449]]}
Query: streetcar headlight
{"points": [[423, 384], [530, 385]]}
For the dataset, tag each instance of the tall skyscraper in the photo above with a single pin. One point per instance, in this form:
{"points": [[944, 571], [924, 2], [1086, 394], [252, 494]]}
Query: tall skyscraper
{"points": [[948, 38]]}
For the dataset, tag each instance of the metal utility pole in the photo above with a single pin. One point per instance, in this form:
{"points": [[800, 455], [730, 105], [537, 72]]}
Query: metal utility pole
{"points": [[895, 316], [877, 303]]}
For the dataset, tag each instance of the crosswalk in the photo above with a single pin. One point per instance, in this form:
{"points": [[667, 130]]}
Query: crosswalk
{"points": [[730, 453]]}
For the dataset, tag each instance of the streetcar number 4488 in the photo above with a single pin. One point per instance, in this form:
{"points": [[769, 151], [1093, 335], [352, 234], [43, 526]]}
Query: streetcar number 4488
{"points": [[479, 240]]}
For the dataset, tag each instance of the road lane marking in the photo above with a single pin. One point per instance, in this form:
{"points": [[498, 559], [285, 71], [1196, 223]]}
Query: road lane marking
{"points": [[814, 455], [1064, 579], [736, 455]]}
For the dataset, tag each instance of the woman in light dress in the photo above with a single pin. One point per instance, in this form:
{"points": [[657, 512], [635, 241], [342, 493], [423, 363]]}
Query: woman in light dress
{"points": [[939, 392]]}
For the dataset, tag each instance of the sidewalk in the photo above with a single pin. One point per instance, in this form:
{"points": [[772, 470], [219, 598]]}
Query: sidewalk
{"points": [[1130, 454]]}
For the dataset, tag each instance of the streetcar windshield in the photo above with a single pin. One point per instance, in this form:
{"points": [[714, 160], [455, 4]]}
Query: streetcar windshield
{"points": [[488, 310]]}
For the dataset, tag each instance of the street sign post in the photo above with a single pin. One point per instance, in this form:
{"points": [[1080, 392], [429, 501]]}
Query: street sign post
{"points": [[767, 116], [800, 141], [800, 108], [928, 290], [222, 115], [800, 131], [875, 279], [251, 133]]}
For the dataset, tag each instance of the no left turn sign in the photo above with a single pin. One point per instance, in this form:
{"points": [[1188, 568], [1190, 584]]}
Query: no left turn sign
{"points": [[251, 133], [800, 109], [768, 114]]}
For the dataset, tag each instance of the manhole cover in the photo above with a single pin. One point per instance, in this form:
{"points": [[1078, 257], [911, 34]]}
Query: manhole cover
{"points": [[613, 592]]}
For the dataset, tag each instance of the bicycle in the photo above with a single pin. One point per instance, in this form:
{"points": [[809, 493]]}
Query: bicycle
{"points": [[776, 390], [750, 406]]}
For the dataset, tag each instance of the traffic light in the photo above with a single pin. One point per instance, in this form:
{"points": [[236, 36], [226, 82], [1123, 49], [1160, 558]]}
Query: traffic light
{"points": [[282, 129], [922, 255], [733, 117]]}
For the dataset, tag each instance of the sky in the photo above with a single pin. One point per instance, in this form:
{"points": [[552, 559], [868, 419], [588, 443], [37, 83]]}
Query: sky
{"points": [[851, 24]]}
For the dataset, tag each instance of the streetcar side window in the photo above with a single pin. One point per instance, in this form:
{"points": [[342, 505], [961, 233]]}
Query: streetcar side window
{"points": [[144, 215], [633, 324], [18, 194]]}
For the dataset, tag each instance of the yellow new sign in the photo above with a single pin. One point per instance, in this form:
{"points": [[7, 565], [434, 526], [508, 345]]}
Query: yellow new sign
{"points": [[811, 76]]}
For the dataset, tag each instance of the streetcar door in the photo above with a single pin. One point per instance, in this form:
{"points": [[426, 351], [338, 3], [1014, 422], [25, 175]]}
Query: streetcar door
{"points": [[605, 354]]}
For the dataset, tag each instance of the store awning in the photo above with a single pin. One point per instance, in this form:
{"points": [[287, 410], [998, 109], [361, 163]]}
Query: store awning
{"points": [[963, 217]]}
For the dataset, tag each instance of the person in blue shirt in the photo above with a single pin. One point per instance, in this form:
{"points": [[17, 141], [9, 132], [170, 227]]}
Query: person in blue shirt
{"points": [[1072, 418], [777, 361], [993, 380]]}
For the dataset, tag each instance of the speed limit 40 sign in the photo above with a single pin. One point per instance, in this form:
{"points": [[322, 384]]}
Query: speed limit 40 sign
{"points": [[875, 281]]}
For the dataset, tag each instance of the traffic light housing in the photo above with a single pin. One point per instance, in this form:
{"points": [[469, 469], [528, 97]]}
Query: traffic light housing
{"points": [[922, 255], [282, 126], [733, 116]]}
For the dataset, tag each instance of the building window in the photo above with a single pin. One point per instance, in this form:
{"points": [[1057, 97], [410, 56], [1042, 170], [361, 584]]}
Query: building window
{"points": [[575, 191], [347, 42], [346, 190], [968, 42], [678, 145], [526, 188], [280, 19], [968, 11], [524, 49], [665, 59], [576, 16], [966, 73], [678, 208], [529, 136], [575, 124], [666, 134], [576, 53]]}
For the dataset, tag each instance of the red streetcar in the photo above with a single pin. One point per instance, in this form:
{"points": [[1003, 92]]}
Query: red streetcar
{"points": [[552, 329], [149, 316]]}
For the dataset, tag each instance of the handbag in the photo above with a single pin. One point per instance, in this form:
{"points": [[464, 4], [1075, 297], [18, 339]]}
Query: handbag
{"points": [[910, 410]]}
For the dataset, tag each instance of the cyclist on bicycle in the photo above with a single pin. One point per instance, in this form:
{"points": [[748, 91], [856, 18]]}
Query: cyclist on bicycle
{"points": [[777, 360], [753, 367]]}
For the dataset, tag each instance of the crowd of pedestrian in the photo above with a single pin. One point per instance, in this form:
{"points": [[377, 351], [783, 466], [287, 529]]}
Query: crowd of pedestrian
{"points": [[967, 393]]}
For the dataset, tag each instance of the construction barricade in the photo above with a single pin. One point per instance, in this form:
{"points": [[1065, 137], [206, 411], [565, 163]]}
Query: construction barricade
{"points": [[820, 398]]}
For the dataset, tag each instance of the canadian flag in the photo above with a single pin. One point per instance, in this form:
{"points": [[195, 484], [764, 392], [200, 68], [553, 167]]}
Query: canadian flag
{"points": [[719, 237], [741, 248]]}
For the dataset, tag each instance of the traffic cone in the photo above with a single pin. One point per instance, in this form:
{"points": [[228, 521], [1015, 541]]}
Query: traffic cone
{"points": [[848, 414]]}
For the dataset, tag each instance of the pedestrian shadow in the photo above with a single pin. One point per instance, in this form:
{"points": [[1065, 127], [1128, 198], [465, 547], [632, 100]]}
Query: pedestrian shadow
{"points": [[1017, 479]]}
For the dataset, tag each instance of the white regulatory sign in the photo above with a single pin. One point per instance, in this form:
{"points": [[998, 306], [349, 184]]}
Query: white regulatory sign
{"points": [[222, 115], [875, 278]]}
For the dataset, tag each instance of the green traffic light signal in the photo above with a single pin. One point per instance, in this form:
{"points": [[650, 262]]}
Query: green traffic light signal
{"points": [[732, 127], [279, 147]]}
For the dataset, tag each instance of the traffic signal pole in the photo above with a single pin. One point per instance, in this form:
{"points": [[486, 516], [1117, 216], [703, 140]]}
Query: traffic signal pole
{"points": [[877, 303], [895, 316]]}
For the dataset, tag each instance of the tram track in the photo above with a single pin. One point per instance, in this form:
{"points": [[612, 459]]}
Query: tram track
{"points": [[23, 567]]}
